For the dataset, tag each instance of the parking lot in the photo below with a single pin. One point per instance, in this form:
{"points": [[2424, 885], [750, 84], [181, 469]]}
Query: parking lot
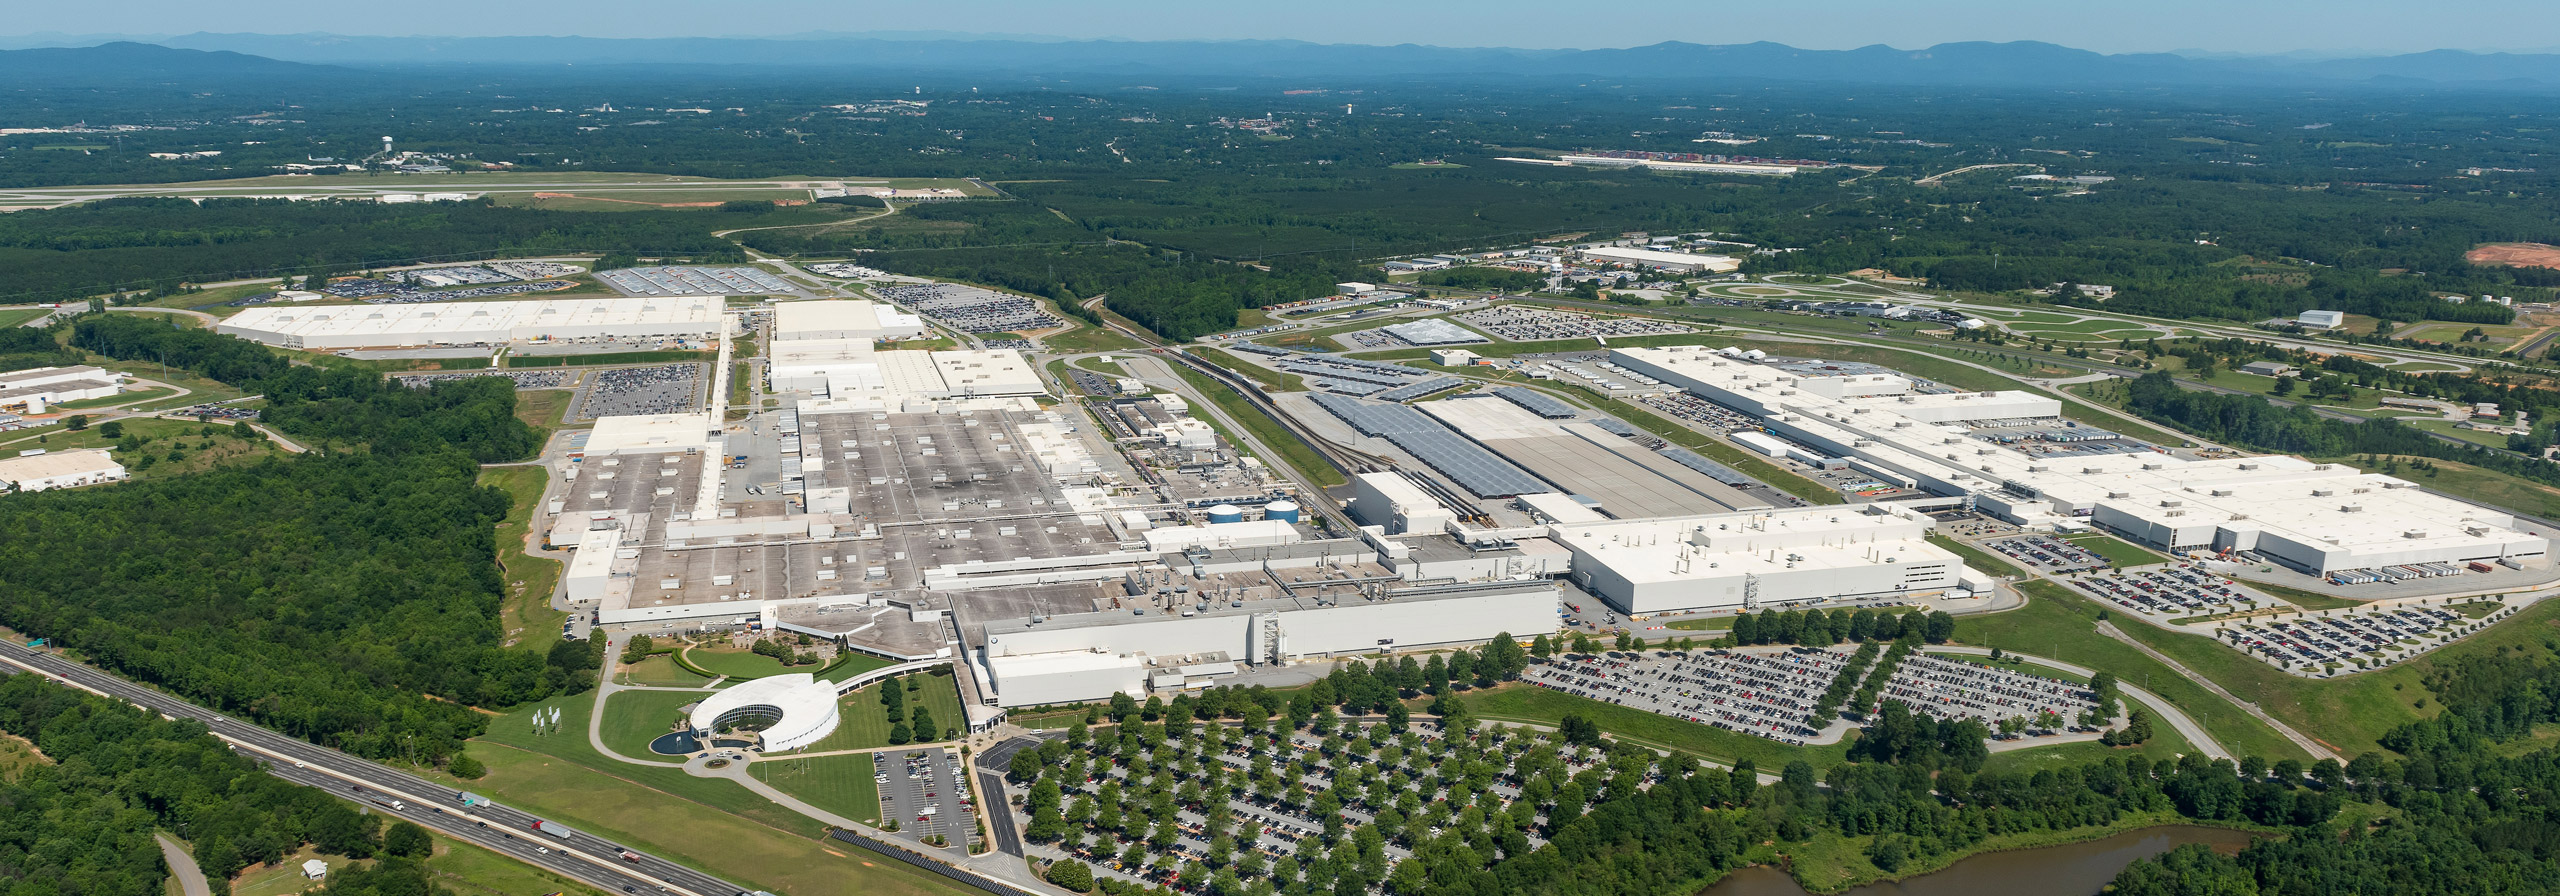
{"points": [[927, 792], [2047, 553], [696, 281], [656, 389], [2338, 642], [1142, 809], [2170, 592], [1773, 693], [524, 379], [1525, 323], [970, 309]]}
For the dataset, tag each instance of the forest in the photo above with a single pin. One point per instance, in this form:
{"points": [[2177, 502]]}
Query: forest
{"points": [[145, 244], [348, 596], [2470, 814], [82, 822]]}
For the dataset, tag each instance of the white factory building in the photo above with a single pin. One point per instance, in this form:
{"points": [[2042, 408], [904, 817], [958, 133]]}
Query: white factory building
{"points": [[848, 319], [793, 711], [2313, 517], [1087, 656], [1682, 262], [1763, 559], [34, 391], [536, 321], [1394, 502], [851, 370], [39, 470]]}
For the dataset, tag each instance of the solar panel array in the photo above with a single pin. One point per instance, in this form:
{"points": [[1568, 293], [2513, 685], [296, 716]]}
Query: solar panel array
{"points": [[1306, 368], [1716, 471], [1417, 390], [1473, 468], [1261, 349], [1538, 403], [1615, 426]]}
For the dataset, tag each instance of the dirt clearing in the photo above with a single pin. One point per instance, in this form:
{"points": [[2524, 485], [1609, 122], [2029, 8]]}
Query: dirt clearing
{"points": [[2515, 255]]}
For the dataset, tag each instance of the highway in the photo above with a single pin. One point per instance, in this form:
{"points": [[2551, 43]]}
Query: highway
{"points": [[588, 859]]}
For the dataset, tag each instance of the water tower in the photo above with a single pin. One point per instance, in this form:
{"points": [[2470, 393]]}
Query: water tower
{"points": [[386, 146]]}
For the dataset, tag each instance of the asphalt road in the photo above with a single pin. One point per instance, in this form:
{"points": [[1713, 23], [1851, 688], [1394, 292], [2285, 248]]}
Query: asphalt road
{"points": [[582, 857], [992, 765]]}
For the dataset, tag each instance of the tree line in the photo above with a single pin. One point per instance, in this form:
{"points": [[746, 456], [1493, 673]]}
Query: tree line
{"points": [[348, 596], [80, 820]]}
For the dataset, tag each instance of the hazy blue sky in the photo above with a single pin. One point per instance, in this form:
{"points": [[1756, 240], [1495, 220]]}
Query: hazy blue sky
{"points": [[2254, 26]]}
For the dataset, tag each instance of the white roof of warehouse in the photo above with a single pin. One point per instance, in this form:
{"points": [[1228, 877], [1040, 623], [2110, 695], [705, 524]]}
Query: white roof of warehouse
{"points": [[57, 464], [857, 318], [650, 433], [432, 318]]}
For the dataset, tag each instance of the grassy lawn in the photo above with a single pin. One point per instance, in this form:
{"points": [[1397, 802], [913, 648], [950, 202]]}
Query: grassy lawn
{"points": [[1294, 452], [2349, 714], [16, 756], [710, 824], [1981, 560], [1271, 380], [1524, 703], [123, 398], [157, 441], [1088, 338], [634, 718], [738, 664], [2117, 551], [659, 671], [527, 615], [1708, 624], [285, 876], [544, 409], [863, 723], [850, 663], [469, 870], [11, 317], [2059, 625], [839, 784]]}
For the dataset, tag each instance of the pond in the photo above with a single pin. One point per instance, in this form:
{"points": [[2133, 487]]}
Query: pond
{"points": [[2072, 869]]}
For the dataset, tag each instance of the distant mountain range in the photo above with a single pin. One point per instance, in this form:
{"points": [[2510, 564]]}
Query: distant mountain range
{"points": [[1980, 64]]}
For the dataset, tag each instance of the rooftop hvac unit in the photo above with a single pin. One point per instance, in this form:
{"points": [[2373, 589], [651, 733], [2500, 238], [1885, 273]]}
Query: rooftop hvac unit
{"points": [[2324, 492], [2172, 502], [2222, 493], [2350, 508], [2248, 467], [2039, 468], [2151, 466], [2119, 495], [2414, 533]]}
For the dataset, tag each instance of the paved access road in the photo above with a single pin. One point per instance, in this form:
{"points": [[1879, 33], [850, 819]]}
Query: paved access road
{"points": [[582, 857]]}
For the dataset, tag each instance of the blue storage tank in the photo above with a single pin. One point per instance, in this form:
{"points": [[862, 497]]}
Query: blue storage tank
{"points": [[1285, 511], [1226, 513]]}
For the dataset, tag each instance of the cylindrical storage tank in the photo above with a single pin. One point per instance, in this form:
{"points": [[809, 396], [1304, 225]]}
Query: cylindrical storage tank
{"points": [[35, 404], [1284, 511], [1226, 513]]}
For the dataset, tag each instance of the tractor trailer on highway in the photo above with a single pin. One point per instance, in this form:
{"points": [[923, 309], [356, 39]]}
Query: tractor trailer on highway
{"points": [[552, 828]]}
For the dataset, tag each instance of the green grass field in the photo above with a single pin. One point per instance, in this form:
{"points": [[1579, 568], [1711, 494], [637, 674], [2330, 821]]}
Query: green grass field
{"points": [[1088, 338], [1979, 559], [839, 784], [284, 877], [2350, 714], [634, 718], [659, 671], [863, 723], [851, 663], [2057, 624], [738, 664], [2117, 551], [527, 615], [1269, 379], [11, 317], [706, 823], [544, 409]]}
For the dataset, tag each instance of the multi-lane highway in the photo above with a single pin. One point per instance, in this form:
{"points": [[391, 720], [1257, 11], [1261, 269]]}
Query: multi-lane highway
{"points": [[583, 857]]}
